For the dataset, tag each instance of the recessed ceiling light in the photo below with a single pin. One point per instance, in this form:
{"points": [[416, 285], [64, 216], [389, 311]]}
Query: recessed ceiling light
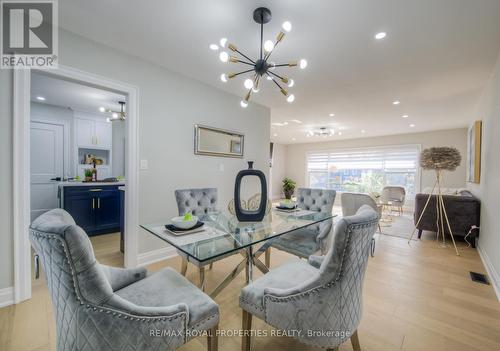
{"points": [[41, 98], [363, 131], [275, 134], [396, 102], [214, 47], [412, 125], [102, 109], [380, 35], [332, 115], [405, 116]]}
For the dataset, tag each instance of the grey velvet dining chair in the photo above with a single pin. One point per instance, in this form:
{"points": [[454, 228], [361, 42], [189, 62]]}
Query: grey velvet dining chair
{"points": [[102, 308], [351, 202], [307, 241], [323, 294], [198, 201]]}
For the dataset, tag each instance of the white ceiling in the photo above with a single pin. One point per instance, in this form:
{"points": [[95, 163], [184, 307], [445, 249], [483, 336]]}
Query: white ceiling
{"points": [[436, 58], [73, 95]]}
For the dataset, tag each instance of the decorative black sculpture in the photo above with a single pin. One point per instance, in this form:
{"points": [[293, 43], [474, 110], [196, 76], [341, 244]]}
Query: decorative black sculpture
{"points": [[250, 215]]}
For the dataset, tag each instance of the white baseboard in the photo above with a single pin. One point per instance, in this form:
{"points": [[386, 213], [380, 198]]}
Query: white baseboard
{"points": [[490, 269], [154, 256], [6, 296]]}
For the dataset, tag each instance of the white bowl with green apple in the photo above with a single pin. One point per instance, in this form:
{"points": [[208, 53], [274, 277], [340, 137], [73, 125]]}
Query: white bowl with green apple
{"points": [[288, 204], [185, 222]]}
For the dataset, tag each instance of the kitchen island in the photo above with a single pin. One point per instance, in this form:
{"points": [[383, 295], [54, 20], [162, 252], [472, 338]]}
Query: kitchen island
{"points": [[95, 206]]}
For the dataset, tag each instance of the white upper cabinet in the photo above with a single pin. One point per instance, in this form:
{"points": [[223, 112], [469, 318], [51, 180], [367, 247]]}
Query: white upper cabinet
{"points": [[85, 132], [92, 134], [104, 134]]}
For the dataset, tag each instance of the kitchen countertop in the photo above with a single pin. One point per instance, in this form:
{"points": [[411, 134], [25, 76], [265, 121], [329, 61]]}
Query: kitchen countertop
{"points": [[65, 184]]}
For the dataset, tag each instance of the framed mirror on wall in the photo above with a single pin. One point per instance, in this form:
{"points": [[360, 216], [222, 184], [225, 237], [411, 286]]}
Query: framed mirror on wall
{"points": [[474, 152], [210, 141]]}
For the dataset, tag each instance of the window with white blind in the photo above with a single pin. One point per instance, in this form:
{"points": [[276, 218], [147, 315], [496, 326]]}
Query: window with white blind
{"points": [[365, 170]]}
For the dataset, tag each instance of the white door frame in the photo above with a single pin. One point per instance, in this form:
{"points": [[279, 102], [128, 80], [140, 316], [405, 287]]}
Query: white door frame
{"points": [[21, 169]]}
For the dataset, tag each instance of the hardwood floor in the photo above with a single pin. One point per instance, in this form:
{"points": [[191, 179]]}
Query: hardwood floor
{"points": [[417, 297]]}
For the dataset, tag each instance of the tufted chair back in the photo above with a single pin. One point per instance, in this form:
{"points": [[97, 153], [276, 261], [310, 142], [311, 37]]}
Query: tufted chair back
{"points": [[196, 201], [66, 252], [352, 202], [395, 194], [332, 298], [319, 200]]}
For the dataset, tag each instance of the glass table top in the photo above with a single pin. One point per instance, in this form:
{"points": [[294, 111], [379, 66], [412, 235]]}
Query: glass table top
{"points": [[223, 234]]}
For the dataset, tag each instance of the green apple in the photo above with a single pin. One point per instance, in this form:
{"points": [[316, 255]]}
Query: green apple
{"points": [[188, 217]]}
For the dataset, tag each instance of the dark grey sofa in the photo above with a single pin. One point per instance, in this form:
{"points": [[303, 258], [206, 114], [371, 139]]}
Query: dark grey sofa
{"points": [[463, 212]]}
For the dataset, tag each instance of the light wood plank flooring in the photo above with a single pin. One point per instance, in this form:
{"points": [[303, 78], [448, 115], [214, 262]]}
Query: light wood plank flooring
{"points": [[416, 297]]}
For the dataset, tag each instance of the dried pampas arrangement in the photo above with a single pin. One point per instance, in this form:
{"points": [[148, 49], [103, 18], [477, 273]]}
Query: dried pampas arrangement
{"points": [[440, 158]]}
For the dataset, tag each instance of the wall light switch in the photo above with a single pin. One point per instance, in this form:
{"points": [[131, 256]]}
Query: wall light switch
{"points": [[221, 167], [144, 164]]}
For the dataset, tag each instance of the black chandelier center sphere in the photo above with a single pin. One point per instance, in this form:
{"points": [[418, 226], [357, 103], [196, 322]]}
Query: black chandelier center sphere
{"points": [[262, 15], [261, 67]]}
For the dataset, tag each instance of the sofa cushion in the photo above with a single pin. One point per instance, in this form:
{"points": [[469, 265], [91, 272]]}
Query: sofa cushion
{"points": [[167, 287]]}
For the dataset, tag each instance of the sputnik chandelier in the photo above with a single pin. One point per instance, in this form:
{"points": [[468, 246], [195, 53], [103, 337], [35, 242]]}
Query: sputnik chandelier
{"points": [[261, 67], [321, 132], [116, 116]]}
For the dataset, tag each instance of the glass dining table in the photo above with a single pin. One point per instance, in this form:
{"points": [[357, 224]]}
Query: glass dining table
{"points": [[224, 235]]}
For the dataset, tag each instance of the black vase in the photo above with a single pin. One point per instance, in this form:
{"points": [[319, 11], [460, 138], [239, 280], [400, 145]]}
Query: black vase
{"points": [[250, 215]]}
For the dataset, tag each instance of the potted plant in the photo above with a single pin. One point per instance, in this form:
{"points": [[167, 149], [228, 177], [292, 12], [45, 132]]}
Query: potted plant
{"points": [[88, 174], [288, 188]]}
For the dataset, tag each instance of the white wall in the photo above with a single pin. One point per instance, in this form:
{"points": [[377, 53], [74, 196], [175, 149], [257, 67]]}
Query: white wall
{"points": [[170, 105], [118, 166], [489, 189], [295, 159], [6, 213], [278, 171]]}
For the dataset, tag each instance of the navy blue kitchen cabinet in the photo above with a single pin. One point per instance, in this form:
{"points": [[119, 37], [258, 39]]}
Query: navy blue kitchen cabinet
{"points": [[95, 209]]}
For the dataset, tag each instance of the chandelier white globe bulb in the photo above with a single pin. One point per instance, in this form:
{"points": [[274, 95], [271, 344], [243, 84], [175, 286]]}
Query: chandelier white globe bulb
{"points": [[287, 26], [224, 56], [290, 98], [223, 77], [223, 42], [268, 46], [303, 63], [243, 103], [102, 109], [248, 83], [214, 47], [269, 78], [255, 90], [291, 83], [115, 115]]}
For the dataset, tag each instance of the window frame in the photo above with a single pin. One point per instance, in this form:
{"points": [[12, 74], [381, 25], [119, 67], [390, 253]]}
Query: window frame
{"points": [[418, 172]]}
